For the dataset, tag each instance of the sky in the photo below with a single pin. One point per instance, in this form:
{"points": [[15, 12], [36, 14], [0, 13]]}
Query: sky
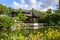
{"points": [[41, 5]]}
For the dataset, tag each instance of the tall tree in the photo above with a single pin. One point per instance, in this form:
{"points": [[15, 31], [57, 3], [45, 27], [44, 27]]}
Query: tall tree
{"points": [[21, 15], [3, 9], [49, 11]]}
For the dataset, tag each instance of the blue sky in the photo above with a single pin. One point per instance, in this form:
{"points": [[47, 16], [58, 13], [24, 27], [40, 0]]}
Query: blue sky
{"points": [[41, 5]]}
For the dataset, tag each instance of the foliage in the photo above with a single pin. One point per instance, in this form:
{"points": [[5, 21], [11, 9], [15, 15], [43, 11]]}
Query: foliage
{"points": [[10, 10], [48, 34], [6, 21], [21, 15], [16, 18], [49, 11], [4, 9], [55, 18]]}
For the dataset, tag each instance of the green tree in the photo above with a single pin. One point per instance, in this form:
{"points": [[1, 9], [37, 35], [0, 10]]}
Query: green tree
{"points": [[49, 11], [10, 9], [21, 15], [3, 9], [6, 22], [55, 18]]}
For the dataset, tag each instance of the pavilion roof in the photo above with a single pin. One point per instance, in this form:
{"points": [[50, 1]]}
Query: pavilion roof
{"points": [[34, 15]]}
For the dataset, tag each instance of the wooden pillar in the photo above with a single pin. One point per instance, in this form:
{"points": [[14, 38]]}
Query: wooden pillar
{"points": [[31, 20]]}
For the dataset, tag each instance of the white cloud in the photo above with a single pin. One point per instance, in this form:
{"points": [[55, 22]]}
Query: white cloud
{"points": [[45, 9], [22, 1], [38, 5], [16, 5], [32, 1], [50, 2]]}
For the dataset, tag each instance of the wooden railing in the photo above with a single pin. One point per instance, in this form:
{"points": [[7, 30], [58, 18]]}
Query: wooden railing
{"points": [[33, 25]]}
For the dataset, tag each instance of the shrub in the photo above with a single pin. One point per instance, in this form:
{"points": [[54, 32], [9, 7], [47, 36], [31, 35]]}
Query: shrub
{"points": [[6, 22]]}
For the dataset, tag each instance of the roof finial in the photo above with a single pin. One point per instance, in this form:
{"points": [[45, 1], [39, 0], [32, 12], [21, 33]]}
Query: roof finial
{"points": [[32, 9]]}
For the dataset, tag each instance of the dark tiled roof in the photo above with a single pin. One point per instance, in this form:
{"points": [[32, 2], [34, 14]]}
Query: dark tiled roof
{"points": [[34, 15], [27, 11]]}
